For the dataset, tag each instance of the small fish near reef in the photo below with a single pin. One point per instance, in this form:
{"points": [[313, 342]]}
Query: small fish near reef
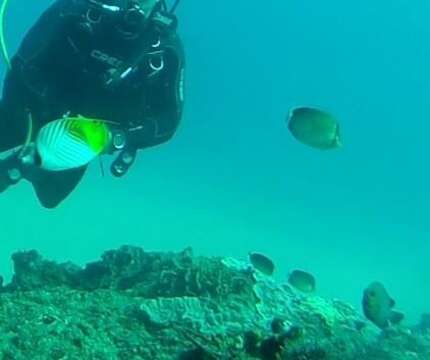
{"points": [[315, 128], [262, 263], [378, 306], [424, 324], [71, 142], [303, 281]]}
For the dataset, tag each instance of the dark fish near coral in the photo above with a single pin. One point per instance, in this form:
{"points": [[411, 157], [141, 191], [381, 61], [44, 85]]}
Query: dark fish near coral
{"points": [[378, 306], [424, 324], [314, 128], [302, 281], [277, 325], [262, 263]]}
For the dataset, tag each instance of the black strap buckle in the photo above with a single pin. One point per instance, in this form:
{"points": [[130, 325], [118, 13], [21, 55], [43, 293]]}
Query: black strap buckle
{"points": [[165, 21]]}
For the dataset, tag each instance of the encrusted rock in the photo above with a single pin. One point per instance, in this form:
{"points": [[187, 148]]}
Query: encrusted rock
{"points": [[133, 304]]}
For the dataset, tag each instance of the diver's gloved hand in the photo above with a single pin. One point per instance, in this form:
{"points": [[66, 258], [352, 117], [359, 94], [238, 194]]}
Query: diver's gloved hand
{"points": [[12, 168], [123, 162], [120, 143], [9, 177]]}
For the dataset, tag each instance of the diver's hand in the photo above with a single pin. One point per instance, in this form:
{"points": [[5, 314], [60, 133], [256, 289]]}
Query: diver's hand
{"points": [[11, 170], [22, 163], [123, 162], [120, 143]]}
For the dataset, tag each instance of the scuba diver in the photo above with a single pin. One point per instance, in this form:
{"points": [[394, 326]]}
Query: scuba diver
{"points": [[117, 60]]}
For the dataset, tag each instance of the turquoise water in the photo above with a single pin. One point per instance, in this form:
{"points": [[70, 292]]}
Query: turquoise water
{"points": [[233, 180]]}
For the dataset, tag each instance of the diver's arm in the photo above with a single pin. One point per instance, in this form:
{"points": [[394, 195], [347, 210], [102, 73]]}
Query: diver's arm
{"points": [[164, 100]]}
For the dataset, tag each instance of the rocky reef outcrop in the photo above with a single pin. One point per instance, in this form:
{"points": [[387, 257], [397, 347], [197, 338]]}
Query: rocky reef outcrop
{"points": [[133, 304]]}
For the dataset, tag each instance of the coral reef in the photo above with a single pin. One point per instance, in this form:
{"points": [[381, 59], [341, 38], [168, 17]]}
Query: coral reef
{"points": [[133, 304]]}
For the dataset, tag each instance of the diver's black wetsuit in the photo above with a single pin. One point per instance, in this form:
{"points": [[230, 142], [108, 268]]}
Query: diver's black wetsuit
{"points": [[111, 65]]}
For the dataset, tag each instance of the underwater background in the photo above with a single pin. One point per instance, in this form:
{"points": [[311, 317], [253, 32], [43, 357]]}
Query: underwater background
{"points": [[233, 179]]}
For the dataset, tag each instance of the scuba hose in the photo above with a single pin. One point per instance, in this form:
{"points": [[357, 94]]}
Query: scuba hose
{"points": [[4, 51], [173, 8], [29, 134], [175, 5]]}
